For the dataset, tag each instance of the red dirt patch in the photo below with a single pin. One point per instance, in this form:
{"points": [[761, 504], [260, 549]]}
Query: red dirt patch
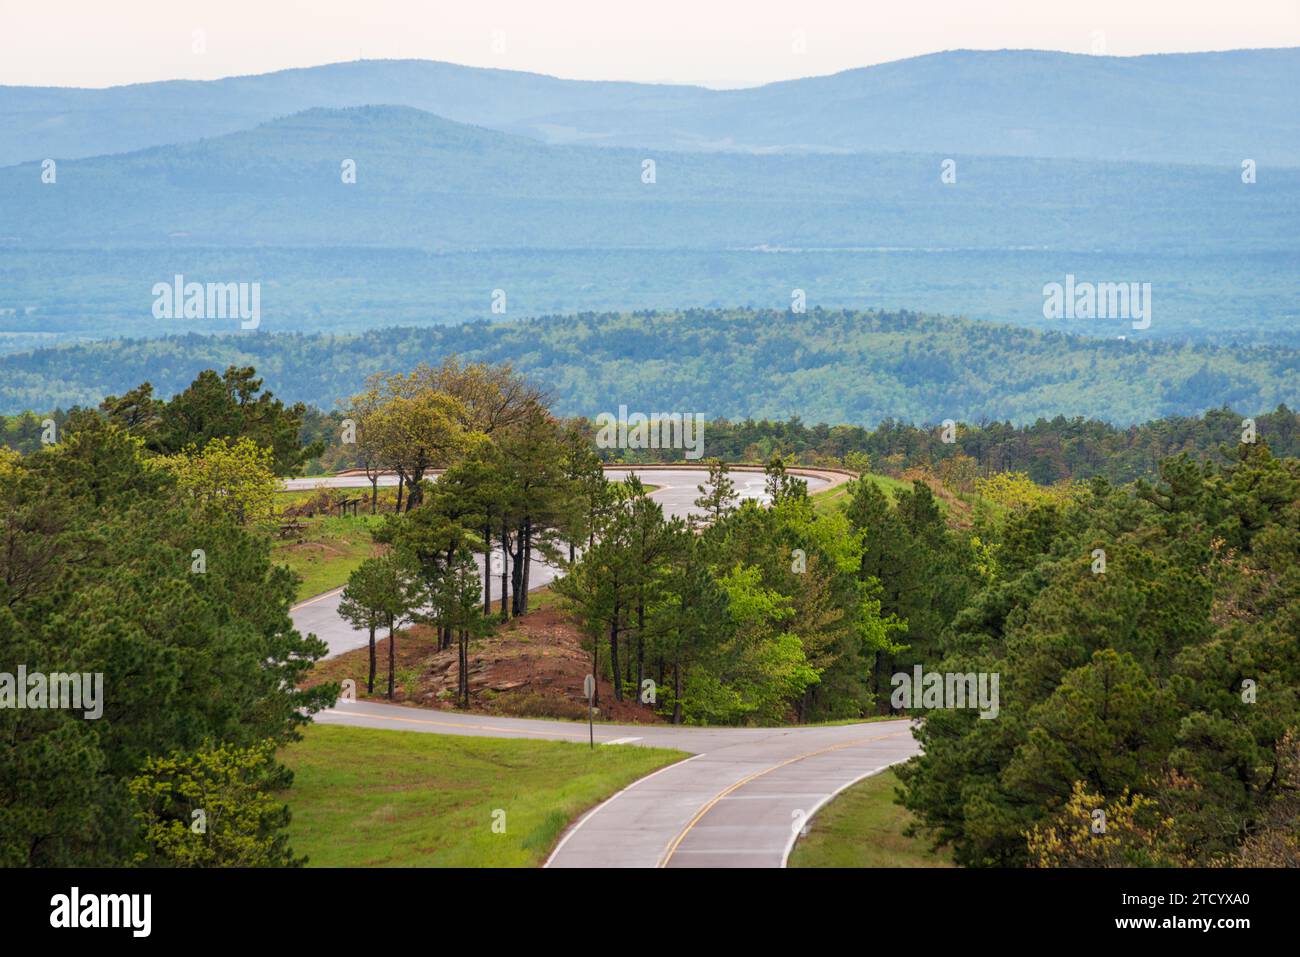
{"points": [[532, 667]]}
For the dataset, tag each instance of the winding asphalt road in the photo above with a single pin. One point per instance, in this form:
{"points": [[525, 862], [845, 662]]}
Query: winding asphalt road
{"points": [[740, 800], [676, 491]]}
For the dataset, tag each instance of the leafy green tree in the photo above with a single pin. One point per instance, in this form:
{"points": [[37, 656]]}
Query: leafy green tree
{"points": [[416, 430], [99, 575], [925, 572], [474, 497], [537, 494], [586, 494], [459, 602], [362, 605], [760, 666], [692, 621], [779, 484], [651, 544], [234, 477], [214, 808], [602, 588], [1136, 834], [135, 411]]}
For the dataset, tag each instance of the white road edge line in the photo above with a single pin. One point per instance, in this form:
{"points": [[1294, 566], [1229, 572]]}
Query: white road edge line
{"points": [[609, 800], [808, 819], [311, 600]]}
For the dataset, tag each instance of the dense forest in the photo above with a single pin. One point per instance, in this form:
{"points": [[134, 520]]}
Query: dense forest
{"points": [[1142, 634], [1048, 451], [133, 549], [1146, 640], [856, 368]]}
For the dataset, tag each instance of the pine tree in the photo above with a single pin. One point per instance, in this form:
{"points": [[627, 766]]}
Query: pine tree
{"points": [[718, 496]]}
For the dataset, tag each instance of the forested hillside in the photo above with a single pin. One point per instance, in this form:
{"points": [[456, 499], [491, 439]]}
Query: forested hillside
{"points": [[1047, 451], [855, 368]]}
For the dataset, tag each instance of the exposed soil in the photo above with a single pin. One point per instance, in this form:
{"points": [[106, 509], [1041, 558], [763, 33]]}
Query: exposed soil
{"points": [[533, 667]]}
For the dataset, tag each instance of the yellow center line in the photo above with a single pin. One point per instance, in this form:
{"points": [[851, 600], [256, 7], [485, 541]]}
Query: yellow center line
{"points": [[672, 846]]}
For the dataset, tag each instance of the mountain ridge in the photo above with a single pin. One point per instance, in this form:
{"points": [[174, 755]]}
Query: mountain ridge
{"points": [[1209, 107], [429, 181]]}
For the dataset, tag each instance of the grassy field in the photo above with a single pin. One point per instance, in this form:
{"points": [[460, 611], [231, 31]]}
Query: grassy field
{"points": [[325, 553], [863, 827], [363, 797]]}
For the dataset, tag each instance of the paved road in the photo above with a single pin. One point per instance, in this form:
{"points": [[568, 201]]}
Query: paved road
{"points": [[741, 803], [677, 491], [738, 801]]}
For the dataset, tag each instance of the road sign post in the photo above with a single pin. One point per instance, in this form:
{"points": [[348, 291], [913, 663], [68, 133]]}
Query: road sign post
{"points": [[589, 689]]}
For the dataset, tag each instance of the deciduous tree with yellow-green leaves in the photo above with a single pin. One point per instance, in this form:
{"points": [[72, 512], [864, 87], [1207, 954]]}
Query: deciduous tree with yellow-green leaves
{"points": [[235, 478]]}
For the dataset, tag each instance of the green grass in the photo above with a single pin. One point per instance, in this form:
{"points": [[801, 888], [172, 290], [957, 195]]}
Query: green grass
{"points": [[331, 548], [831, 500], [364, 797], [834, 499], [887, 484], [285, 497], [538, 600], [863, 827]]}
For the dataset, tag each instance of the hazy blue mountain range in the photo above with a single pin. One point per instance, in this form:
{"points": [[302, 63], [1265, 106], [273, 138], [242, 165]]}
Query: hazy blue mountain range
{"points": [[427, 182], [443, 213], [1215, 108], [828, 366]]}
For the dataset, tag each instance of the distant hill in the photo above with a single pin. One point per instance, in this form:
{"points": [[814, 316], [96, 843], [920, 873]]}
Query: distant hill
{"points": [[426, 182], [854, 368], [443, 213], [1213, 108]]}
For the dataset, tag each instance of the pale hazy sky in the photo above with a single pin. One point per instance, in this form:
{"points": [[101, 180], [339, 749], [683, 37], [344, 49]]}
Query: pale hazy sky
{"points": [[711, 42]]}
